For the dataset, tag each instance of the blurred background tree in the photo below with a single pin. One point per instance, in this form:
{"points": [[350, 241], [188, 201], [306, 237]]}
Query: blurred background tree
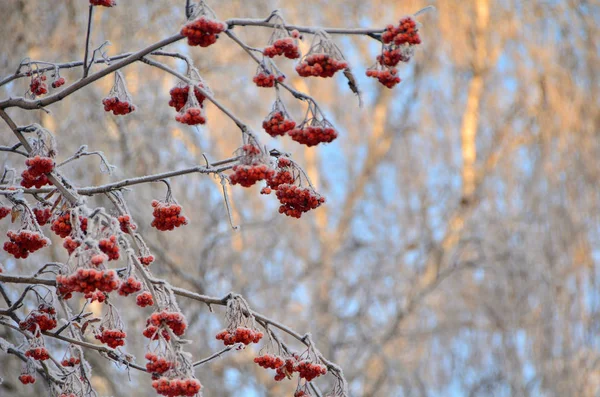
{"points": [[459, 248]]}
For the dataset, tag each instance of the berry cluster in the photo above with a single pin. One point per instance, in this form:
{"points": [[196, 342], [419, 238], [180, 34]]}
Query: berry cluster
{"points": [[24, 242], [309, 370], [38, 86], [35, 174], [179, 96], [96, 296], [98, 259], [59, 82], [104, 3], [173, 320], [126, 223], [144, 299], [269, 361], [62, 225], [267, 79], [70, 362], [71, 245], [38, 353], [146, 260], [43, 318], [167, 216], [313, 135], [4, 211], [110, 247], [388, 76], [320, 65], [177, 387], [42, 215], [131, 286], [111, 337], [392, 57], [191, 116], [117, 106], [26, 378], [158, 365], [203, 31], [405, 33], [278, 124], [287, 369], [296, 200], [87, 281], [286, 46], [248, 175], [240, 335], [283, 177]]}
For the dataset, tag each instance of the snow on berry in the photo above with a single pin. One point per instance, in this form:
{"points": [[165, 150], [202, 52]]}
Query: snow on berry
{"points": [[172, 319], [110, 247], [130, 286], [63, 227], [239, 335], [35, 174], [24, 242], [126, 223], [144, 299]]}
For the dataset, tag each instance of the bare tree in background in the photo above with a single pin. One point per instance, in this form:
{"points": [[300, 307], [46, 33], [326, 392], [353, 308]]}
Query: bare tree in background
{"points": [[457, 251]]}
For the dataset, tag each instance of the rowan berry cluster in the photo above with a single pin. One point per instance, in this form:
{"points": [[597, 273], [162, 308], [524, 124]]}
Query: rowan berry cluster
{"points": [[269, 361], [111, 337], [277, 123], [35, 174], [191, 116], [71, 245], [70, 362], [309, 370], [87, 281], [177, 387], [173, 320], [392, 57], [296, 200], [44, 319], [104, 3], [118, 106], [144, 299], [130, 286], [24, 242], [42, 215], [406, 32], [248, 175], [126, 223], [146, 260], [312, 135], [38, 353], [266, 79], [287, 369], [287, 46], [4, 211], [38, 85], [203, 31], [96, 296], [306, 368], [239, 335], [62, 225], [158, 364], [386, 76], [320, 65], [110, 247], [167, 216], [179, 96], [59, 82], [26, 379]]}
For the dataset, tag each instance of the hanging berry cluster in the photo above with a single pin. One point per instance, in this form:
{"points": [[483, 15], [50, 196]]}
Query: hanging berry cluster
{"points": [[323, 59], [27, 372], [38, 85], [253, 166], [241, 324], [71, 357], [306, 365], [177, 387], [203, 28], [58, 82], [266, 75], [24, 242], [111, 331], [35, 174], [190, 107], [278, 122], [398, 46], [42, 215], [165, 318], [42, 319], [4, 211], [63, 226], [37, 350], [167, 215], [118, 100], [314, 129], [144, 299], [282, 41]]}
